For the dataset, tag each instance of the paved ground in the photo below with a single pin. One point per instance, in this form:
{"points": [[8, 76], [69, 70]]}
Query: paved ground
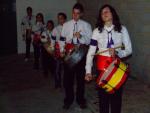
{"points": [[24, 90]]}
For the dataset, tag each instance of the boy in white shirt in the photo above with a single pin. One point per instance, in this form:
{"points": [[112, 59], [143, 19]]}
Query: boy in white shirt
{"points": [[75, 32], [26, 25]]}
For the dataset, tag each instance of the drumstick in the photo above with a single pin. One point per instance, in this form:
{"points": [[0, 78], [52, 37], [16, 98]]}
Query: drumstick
{"points": [[107, 50]]}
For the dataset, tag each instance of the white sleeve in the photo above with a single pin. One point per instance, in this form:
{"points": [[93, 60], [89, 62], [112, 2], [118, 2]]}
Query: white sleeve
{"points": [[62, 39], [85, 38], [54, 32], [35, 28], [91, 52], [127, 44]]}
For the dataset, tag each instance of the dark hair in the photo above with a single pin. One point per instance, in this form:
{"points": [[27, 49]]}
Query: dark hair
{"points": [[116, 20], [40, 14], [50, 21], [29, 8], [62, 14], [79, 7]]}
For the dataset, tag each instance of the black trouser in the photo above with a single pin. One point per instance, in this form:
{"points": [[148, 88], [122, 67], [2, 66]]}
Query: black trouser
{"points": [[77, 72], [37, 51], [47, 61], [28, 44], [58, 72], [109, 102]]}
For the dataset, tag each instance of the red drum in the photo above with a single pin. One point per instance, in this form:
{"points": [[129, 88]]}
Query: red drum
{"points": [[113, 76], [103, 62], [57, 53], [36, 38], [69, 48]]}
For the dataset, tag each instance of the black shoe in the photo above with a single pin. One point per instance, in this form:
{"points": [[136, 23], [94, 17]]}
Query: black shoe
{"points": [[83, 105], [66, 107]]}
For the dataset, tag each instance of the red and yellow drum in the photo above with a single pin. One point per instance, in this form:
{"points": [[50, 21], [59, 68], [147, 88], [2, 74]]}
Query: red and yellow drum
{"points": [[113, 76]]}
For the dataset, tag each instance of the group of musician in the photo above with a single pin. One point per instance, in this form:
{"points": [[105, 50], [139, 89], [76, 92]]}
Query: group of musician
{"points": [[50, 44]]}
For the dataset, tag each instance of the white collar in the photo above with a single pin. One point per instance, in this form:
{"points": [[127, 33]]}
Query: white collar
{"points": [[75, 21], [109, 28]]}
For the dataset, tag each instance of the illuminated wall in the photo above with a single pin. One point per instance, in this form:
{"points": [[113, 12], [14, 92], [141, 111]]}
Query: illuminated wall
{"points": [[49, 8]]}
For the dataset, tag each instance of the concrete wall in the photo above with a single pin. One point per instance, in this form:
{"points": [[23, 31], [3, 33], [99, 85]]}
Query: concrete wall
{"points": [[135, 15], [90, 10], [49, 8]]}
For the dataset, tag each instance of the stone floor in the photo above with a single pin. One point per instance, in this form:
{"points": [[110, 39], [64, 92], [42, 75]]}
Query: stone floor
{"points": [[24, 90]]}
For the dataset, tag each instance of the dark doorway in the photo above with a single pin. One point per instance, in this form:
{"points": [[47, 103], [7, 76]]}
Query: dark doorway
{"points": [[8, 27]]}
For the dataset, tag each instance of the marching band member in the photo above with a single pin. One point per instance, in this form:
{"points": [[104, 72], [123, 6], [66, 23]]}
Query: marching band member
{"points": [[47, 48], [56, 36], [109, 34], [75, 31], [37, 29], [26, 25]]}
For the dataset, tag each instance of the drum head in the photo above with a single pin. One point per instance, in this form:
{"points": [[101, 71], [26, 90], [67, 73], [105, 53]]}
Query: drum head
{"points": [[76, 56], [113, 77]]}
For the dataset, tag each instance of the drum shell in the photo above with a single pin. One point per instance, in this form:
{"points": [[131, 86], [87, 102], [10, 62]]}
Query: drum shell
{"points": [[102, 62], [76, 55], [114, 76]]}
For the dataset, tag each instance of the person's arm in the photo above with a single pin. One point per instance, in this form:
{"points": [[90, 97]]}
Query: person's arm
{"points": [[62, 39], [86, 36], [91, 52], [53, 37], [127, 44], [23, 28]]}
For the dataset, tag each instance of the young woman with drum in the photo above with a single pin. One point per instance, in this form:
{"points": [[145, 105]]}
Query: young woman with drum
{"points": [[47, 48], [108, 38], [56, 34], [37, 30]]}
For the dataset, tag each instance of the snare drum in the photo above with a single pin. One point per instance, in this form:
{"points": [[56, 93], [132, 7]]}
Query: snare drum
{"points": [[113, 77], [74, 54]]}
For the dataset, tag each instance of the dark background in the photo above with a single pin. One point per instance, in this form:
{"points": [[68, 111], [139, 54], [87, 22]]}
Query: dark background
{"points": [[8, 27]]}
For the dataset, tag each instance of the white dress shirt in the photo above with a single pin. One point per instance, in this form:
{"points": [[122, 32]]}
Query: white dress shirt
{"points": [[69, 28], [38, 28], [56, 34], [27, 23], [101, 40]]}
